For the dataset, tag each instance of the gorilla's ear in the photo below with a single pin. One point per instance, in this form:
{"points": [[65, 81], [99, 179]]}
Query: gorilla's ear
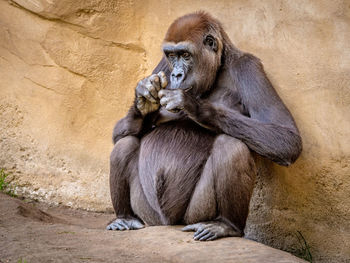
{"points": [[211, 43]]}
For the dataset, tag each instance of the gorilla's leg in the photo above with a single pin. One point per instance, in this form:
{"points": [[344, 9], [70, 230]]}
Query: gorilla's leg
{"points": [[220, 202], [140, 205], [124, 183]]}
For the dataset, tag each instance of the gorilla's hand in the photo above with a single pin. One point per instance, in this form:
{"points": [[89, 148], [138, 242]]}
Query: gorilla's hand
{"points": [[172, 100], [147, 100], [206, 231], [125, 224]]}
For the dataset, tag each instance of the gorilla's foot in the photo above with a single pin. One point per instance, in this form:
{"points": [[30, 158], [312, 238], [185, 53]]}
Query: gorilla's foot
{"points": [[211, 230], [125, 224]]}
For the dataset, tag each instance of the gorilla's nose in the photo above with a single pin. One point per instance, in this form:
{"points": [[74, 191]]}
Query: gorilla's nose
{"points": [[177, 76]]}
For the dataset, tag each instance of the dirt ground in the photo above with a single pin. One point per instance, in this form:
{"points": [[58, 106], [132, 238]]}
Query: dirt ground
{"points": [[33, 232]]}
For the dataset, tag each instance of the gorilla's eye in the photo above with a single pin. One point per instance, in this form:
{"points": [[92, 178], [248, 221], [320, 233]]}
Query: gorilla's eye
{"points": [[186, 55], [171, 55]]}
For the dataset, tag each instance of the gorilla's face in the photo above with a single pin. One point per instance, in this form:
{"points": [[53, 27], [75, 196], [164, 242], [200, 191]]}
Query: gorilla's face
{"points": [[181, 59], [193, 65]]}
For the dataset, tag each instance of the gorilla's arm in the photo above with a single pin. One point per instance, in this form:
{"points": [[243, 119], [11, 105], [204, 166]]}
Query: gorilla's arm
{"points": [[268, 130], [134, 123]]}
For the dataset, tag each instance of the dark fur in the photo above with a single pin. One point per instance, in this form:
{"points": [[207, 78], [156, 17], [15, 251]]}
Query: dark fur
{"points": [[196, 165]]}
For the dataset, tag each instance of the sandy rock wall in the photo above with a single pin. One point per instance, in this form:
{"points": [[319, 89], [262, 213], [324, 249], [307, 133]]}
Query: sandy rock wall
{"points": [[68, 70]]}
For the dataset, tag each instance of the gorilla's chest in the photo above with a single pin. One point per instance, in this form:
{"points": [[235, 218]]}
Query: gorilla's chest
{"points": [[174, 144]]}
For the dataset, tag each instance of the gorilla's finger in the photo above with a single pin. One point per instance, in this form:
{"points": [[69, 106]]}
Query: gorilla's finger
{"points": [[170, 106], [113, 226], [136, 224], [143, 91], [188, 228], [199, 230], [138, 92], [162, 93], [148, 96], [120, 226], [124, 225], [163, 80], [152, 90], [200, 234], [173, 106], [163, 101], [205, 237], [154, 78], [155, 81]]}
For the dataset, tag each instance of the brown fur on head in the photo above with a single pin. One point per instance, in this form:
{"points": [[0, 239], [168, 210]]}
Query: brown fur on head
{"points": [[191, 27]]}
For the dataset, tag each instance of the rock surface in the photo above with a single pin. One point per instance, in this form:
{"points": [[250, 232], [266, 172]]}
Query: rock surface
{"points": [[68, 70], [67, 235]]}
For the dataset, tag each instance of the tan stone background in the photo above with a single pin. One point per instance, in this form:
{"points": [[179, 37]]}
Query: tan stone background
{"points": [[68, 70]]}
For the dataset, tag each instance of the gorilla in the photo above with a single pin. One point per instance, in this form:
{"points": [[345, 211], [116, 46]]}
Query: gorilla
{"points": [[183, 154]]}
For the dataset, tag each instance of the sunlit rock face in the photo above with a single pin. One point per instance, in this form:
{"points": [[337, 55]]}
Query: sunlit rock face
{"points": [[68, 70]]}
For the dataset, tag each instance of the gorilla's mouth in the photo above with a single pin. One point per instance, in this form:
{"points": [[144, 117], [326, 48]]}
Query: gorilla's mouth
{"points": [[183, 85]]}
